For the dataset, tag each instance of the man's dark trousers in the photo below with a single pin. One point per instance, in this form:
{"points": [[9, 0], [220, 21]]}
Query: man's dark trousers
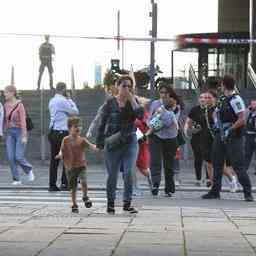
{"points": [[55, 138], [250, 148], [232, 149]]}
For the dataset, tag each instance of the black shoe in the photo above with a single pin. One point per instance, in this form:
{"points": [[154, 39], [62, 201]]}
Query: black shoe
{"points": [[53, 189], [128, 208], [168, 194], [87, 202], [64, 187], [74, 209], [248, 198], [211, 195], [154, 191], [111, 208]]}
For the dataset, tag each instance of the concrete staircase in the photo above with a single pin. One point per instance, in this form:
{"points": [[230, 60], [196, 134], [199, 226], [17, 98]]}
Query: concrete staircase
{"points": [[88, 102]]}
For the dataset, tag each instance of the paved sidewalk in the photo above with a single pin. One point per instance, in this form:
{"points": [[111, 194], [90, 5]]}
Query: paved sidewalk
{"points": [[180, 226]]}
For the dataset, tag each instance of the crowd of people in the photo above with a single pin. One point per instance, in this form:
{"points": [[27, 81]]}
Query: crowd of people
{"points": [[135, 132]]}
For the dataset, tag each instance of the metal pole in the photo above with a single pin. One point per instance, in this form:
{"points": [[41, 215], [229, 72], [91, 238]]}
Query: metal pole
{"points": [[252, 33], [172, 75], [42, 125], [123, 54], [152, 47]]}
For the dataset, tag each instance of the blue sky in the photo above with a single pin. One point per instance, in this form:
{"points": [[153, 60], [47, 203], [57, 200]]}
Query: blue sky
{"points": [[97, 17]]}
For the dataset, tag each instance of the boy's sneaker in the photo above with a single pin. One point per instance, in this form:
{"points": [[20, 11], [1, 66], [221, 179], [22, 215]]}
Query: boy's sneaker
{"points": [[128, 208], [87, 202], [233, 185], [30, 176], [16, 182], [111, 208], [74, 209], [198, 183], [168, 194]]}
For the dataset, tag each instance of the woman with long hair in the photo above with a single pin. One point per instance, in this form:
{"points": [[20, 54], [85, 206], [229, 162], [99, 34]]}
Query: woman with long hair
{"points": [[16, 135]]}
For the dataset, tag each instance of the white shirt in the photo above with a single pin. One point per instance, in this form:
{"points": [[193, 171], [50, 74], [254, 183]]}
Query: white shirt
{"points": [[61, 109]]}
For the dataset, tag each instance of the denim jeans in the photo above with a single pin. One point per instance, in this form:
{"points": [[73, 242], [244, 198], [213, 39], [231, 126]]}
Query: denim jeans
{"points": [[114, 159], [15, 153]]}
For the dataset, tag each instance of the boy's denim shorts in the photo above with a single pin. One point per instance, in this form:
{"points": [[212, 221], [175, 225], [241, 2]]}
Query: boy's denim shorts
{"points": [[74, 174]]}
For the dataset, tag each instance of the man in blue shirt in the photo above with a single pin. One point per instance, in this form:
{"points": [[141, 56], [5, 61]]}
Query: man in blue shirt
{"points": [[60, 108]]}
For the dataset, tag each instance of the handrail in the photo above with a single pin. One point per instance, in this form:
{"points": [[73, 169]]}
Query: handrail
{"points": [[192, 76], [252, 74]]}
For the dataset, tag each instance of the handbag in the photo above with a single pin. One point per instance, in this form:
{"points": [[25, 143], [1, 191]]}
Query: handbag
{"points": [[116, 141]]}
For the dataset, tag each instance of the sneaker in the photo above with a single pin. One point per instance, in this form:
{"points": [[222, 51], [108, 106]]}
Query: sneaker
{"points": [[177, 183], [64, 187], [208, 183], [210, 195], [198, 183], [233, 185], [128, 208], [248, 198], [111, 208], [30, 176], [53, 189], [74, 209], [87, 202], [16, 182], [169, 194]]}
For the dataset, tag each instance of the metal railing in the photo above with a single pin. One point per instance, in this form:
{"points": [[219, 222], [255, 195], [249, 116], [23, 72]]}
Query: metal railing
{"points": [[251, 75], [193, 78]]}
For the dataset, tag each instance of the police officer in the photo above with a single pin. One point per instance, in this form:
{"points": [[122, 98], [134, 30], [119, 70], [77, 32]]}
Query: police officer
{"points": [[230, 120], [250, 134], [46, 51]]}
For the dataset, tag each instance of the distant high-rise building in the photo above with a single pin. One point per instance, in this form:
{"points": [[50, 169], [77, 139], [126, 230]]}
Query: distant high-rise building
{"points": [[98, 71]]}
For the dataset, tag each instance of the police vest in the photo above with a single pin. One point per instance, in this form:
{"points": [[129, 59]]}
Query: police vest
{"points": [[227, 113], [251, 123]]}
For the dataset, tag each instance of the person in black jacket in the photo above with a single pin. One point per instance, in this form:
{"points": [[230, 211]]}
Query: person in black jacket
{"points": [[117, 136]]}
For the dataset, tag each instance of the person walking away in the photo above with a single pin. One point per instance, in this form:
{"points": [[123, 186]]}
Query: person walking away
{"points": [[163, 141], [72, 151], [230, 120], [117, 136], [46, 51], [16, 135], [61, 108]]}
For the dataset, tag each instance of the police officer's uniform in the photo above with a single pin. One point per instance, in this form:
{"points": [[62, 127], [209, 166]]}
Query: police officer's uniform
{"points": [[228, 145], [250, 138]]}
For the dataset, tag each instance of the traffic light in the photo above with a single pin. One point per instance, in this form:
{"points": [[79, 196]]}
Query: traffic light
{"points": [[115, 65]]}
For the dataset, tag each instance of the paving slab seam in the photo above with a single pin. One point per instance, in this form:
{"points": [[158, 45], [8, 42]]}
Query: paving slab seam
{"points": [[183, 233], [243, 235], [50, 243], [122, 236]]}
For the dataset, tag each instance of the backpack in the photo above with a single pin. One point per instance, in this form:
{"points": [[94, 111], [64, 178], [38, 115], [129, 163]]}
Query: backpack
{"points": [[29, 122]]}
